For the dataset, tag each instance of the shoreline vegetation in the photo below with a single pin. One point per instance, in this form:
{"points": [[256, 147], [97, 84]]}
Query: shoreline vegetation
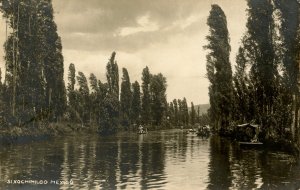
{"points": [[36, 102], [264, 89], [27, 134], [42, 131]]}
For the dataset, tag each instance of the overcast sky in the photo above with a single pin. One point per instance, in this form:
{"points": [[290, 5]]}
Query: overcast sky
{"points": [[165, 35]]}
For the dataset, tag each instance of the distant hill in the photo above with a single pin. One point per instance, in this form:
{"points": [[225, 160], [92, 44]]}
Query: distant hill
{"points": [[203, 108]]}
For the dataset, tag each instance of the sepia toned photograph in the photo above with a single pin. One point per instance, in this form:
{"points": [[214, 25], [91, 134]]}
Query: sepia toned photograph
{"points": [[139, 94]]}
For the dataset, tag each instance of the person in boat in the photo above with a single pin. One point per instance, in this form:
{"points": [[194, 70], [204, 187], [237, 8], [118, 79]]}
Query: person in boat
{"points": [[142, 129], [255, 138]]}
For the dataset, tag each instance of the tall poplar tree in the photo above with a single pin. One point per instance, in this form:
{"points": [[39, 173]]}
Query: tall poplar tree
{"points": [[176, 112], [94, 98], [146, 101], [33, 47], [27, 90], [83, 99], [112, 76], [125, 99], [52, 60], [219, 69], [111, 104], [158, 86], [136, 103], [171, 113], [71, 91], [193, 114], [180, 112], [260, 43], [289, 30], [244, 104], [185, 112]]}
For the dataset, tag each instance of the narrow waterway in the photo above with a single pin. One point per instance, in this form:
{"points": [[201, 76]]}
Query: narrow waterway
{"points": [[158, 160]]}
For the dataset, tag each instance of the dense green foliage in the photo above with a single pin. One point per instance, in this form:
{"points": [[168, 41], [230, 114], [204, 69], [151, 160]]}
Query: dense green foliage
{"points": [[265, 83], [146, 106], [111, 106], [263, 63], [82, 99], [219, 69], [179, 114], [32, 47], [264, 88], [71, 91], [158, 87], [41, 95], [289, 30], [193, 114], [135, 114], [265, 91], [125, 99], [34, 88]]}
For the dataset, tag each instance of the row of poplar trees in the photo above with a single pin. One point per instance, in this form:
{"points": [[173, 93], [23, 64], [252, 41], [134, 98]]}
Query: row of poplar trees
{"points": [[99, 104], [179, 114], [264, 89], [109, 106], [34, 88]]}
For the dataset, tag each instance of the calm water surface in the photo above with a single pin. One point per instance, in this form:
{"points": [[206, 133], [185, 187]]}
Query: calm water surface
{"points": [[158, 160]]}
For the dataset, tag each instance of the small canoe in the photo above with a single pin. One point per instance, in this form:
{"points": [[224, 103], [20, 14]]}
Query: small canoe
{"points": [[251, 144]]}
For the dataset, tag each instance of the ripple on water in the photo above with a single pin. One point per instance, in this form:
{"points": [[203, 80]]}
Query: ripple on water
{"points": [[158, 160]]}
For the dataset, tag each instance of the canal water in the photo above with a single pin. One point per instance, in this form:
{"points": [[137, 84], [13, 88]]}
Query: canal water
{"points": [[158, 160]]}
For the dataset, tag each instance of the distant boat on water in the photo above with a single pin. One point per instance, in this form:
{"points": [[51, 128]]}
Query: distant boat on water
{"points": [[250, 144], [203, 131], [192, 130], [250, 132], [142, 130]]}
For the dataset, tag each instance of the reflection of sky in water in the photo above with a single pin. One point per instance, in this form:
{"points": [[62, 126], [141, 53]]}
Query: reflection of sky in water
{"points": [[189, 170], [157, 160]]}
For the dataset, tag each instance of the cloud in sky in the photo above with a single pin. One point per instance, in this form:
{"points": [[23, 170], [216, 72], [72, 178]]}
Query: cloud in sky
{"points": [[165, 35], [124, 25]]}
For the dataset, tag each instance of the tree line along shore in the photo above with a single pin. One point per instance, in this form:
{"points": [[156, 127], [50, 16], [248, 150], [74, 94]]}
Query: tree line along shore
{"points": [[35, 100]]}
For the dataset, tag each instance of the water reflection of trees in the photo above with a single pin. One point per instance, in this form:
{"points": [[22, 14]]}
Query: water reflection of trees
{"points": [[140, 162], [176, 145], [30, 162], [133, 161], [283, 169], [219, 168], [91, 162], [232, 167], [122, 162]]}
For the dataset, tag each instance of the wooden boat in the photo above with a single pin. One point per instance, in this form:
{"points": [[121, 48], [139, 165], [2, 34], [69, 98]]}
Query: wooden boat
{"points": [[141, 132], [203, 131], [251, 144], [247, 134], [191, 130]]}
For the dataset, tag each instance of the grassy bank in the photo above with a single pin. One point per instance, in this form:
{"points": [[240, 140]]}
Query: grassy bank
{"points": [[41, 131]]}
